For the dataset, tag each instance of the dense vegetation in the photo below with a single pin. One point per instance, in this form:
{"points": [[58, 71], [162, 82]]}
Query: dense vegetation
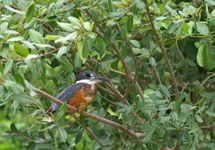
{"points": [[159, 56]]}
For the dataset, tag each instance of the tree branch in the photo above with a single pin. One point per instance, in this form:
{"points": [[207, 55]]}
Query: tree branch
{"points": [[163, 51], [95, 117]]}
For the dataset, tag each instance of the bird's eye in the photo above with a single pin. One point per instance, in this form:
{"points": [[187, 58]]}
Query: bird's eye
{"points": [[87, 75]]}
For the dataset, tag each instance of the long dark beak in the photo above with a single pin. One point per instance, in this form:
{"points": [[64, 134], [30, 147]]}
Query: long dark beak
{"points": [[100, 79]]}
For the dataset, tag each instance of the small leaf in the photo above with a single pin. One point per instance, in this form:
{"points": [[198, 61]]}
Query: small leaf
{"points": [[211, 113], [147, 138], [123, 32], [61, 51], [29, 86], [179, 100], [52, 37], [66, 26], [43, 73], [174, 117], [116, 14], [78, 137], [8, 66], [86, 50], [30, 12], [202, 28], [174, 28], [135, 43], [77, 61], [62, 134], [36, 37], [152, 61], [190, 120], [111, 112], [94, 15], [206, 57], [74, 21], [65, 63], [164, 90], [107, 34], [22, 98], [80, 52], [172, 11], [130, 109], [21, 50], [198, 118], [147, 37], [19, 79]]}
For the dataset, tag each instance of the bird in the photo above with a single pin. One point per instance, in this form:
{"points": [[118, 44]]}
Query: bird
{"points": [[81, 93]]}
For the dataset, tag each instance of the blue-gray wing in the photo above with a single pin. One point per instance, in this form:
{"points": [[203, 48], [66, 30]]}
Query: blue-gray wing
{"points": [[66, 95]]}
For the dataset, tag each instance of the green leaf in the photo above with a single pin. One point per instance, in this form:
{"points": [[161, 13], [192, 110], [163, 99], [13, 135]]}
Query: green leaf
{"points": [[211, 113], [107, 34], [123, 32], [13, 128], [179, 100], [130, 109], [65, 63], [86, 50], [110, 111], [55, 63], [206, 57], [174, 28], [19, 79], [116, 14], [45, 146], [202, 28], [78, 137], [164, 90], [174, 117], [61, 51], [147, 37], [147, 138], [8, 66], [130, 24], [66, 26], [29, 86], [152, 61], [21, 50], [14, 10], [140, 4], [80, 52], [103, 66], [52, 37], [211, 2], [22, 98], [132, 123], [172, 11], [30, 12], [43, 73], [34, 71], [94, 15], [198, 118], [77, 61], [135, 43], [190, 120], [3, 27], [62, 134], [74, 21], [36, 37], [1, 67]]}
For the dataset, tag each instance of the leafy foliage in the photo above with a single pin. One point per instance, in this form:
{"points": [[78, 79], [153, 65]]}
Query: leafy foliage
{"points": [[158, 54]]}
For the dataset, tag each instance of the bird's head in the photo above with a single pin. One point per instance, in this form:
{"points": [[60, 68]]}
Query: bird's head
{"points": [[89, 77]]}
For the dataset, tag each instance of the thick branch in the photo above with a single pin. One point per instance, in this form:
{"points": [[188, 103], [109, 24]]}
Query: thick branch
{"points": [[95, 117]]}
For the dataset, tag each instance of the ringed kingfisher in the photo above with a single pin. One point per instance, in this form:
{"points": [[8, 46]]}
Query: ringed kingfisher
{"points": [[81, 93]]}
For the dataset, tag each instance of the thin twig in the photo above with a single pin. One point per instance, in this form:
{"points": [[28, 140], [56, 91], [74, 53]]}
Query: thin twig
{"points": [[91, 133]]}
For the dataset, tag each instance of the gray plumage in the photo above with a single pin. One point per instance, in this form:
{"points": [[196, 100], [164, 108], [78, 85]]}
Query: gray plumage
{"points": [[66, 95]]}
